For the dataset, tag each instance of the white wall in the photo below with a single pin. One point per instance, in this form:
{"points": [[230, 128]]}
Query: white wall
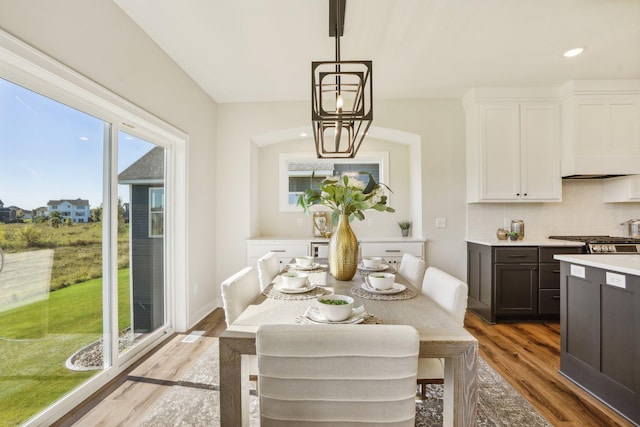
{"points": [[440, 125], [96, 39], [581, 212]]}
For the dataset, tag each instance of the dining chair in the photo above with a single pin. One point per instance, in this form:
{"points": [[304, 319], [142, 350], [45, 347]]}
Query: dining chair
{"points": [[449, 293], [238, 291], [268, 269], [412, 268], [337, 375]]}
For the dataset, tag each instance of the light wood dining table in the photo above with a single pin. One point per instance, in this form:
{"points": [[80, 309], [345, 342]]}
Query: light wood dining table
{"points": [[440, 337]]}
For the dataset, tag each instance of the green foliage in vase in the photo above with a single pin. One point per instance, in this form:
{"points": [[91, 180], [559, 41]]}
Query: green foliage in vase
{"points": [[404, 225], [347, 196]]}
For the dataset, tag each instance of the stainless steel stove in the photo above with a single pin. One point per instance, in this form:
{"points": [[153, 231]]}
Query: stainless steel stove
{"points": [[605, 244]]}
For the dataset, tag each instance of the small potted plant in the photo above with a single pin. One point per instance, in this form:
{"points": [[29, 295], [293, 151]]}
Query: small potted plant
{"points": [[405, 226], [513, 236]]}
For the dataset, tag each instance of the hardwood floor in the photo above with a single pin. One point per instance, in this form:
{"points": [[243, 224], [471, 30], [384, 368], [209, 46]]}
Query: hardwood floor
{"points": [[526, 354]]}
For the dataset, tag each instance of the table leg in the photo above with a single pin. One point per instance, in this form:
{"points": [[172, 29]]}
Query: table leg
{"points": [[461, 388], [232, 401]]}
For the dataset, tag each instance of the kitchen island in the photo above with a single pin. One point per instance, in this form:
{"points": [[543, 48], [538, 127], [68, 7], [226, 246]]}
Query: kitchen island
{"points": [[600, 327]]}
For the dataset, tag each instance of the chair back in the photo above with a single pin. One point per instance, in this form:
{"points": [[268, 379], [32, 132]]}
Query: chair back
{"points": [[337, 375], [268, 268], [447, 291], [238, 291], [412, 268]]}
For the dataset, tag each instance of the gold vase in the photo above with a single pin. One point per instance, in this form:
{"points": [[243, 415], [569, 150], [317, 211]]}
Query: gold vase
{"points": [[343, 251]]}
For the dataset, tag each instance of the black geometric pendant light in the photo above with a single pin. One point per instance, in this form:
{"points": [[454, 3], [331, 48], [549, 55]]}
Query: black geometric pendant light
{"points": [[341, 97]]}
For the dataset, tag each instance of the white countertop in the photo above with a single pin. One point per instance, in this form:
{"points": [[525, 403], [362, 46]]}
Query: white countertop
{"points": [[526, 242], [629, 264], [322, 239]]}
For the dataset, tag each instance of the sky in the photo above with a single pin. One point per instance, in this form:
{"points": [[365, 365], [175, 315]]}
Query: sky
{"points": [[49, 151]]}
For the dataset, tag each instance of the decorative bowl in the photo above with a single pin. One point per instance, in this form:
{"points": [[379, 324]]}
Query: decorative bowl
{"points": [[294, 279], [335, 311]]}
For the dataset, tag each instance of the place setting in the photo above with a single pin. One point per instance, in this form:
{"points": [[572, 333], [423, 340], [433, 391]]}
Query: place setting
{"points": [[373, 264], [294, 285], [336, 309], [382, 286], [306, 263]]}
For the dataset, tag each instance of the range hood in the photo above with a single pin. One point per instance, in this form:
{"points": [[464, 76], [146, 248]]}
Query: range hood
{"points": [[592, 176]]}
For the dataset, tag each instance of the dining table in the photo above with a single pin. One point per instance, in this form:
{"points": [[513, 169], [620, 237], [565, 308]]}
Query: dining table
{"points": [[440, 337]]}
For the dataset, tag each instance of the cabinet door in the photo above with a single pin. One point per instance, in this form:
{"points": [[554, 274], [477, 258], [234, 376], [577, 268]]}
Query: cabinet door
{"points": [[516, 288], [540, 152], [499, 151]]}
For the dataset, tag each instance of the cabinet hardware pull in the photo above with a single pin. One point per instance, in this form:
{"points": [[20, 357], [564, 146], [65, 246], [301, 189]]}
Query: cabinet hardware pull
{"points": [[278, 250], [516, 256], [556, 271], [556, 297], [392, 250]]}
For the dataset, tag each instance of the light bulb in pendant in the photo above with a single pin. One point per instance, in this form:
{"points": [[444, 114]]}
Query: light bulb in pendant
{"points": [[339, 103]]}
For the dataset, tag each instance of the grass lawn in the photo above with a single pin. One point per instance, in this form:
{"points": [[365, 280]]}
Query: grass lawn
{"points": [[36, 339]]}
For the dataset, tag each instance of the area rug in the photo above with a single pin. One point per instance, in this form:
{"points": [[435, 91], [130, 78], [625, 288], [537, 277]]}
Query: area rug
{"points": [[194, 400]]}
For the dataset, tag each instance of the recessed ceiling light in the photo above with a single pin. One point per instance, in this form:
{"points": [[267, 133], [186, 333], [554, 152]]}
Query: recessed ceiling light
{"points": [[303, 134], [573, 52]]}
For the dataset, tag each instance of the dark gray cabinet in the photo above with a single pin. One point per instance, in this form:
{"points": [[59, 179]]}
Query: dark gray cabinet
{"points": [[514, 282], [600, 335]]}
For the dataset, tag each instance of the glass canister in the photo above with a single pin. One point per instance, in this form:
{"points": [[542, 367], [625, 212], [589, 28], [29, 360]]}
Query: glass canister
{"points": [[517, 226]]}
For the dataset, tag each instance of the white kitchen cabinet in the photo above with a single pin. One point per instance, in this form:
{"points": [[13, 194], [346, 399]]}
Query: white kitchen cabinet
{"points": [[513, 152], [392, 251], [601, 128], [286, 250], [621, 189]]}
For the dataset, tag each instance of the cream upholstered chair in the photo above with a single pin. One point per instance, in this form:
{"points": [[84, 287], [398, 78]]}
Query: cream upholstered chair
{"points": [[412, 268], [238, 291], [337, 375], [450, 294], [268, 268]]}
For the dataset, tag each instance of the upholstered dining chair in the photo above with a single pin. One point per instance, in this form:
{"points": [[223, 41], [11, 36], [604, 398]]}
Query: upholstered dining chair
{"points": [[238, 291], [337, 375], [268, 268], [412, 268], [450, 294]]}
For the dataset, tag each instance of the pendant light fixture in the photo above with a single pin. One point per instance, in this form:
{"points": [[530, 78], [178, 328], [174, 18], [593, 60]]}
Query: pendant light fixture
{"points": [[341, 97]]}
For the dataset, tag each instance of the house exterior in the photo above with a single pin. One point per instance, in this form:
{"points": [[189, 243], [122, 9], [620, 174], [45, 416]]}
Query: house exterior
{"points": [[8, 214], [78, 210], [145, 213]]}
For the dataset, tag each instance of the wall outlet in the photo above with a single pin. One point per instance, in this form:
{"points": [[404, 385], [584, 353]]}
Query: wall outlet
{"points": [[300, 222], [441, 222]]}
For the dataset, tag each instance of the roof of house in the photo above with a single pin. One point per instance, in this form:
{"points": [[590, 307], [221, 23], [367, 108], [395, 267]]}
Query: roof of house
{"points": [[77, 202], [149, 168]]}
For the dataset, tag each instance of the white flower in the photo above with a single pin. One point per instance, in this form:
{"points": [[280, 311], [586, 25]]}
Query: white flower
{"points": [[356, 183]]}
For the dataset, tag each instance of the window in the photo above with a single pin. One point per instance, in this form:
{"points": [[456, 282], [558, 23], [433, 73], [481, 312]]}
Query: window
{"points": [[297, 169], [68, 130], [156, 212]]}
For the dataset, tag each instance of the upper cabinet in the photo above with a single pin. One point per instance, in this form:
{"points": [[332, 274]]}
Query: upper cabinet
{"points": [[513, 149], [600, 127], [621, 189]]}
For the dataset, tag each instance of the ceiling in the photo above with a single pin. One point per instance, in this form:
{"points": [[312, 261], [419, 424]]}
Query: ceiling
{"points": [[261, 50]]}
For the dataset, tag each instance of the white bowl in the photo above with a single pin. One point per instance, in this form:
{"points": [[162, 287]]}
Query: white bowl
{"points": [[381, 281], [333, 312], [372, 262], [304, 261], [294, 280]]}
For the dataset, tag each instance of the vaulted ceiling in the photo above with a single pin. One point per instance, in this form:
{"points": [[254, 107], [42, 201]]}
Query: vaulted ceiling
{"points": [[261, 50]]}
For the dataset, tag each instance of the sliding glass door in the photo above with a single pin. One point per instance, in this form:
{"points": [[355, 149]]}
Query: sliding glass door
{"points": [[82, 231]]}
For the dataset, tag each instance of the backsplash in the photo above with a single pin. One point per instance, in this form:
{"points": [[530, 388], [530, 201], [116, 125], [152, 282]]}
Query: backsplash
{"points": [[580, 212]]}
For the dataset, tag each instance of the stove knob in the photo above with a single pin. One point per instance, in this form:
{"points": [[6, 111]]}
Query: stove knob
{"points": [[595, 248], [612, 248]]}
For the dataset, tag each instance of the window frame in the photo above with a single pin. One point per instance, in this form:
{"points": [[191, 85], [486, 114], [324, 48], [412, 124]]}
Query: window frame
{"points": [[379, 157], [153, 213], [28, 67]]}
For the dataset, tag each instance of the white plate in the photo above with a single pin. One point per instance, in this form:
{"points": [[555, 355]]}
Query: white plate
{"points": [[357, 316], [383, 267], [395, 289], [307, 288], [311, 267]]}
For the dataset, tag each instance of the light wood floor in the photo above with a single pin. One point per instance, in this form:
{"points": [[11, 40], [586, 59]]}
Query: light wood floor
{"points": [[526, 354]]}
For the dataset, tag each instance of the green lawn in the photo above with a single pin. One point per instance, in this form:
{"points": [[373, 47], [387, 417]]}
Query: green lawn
{"points": [[36, 339]]}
